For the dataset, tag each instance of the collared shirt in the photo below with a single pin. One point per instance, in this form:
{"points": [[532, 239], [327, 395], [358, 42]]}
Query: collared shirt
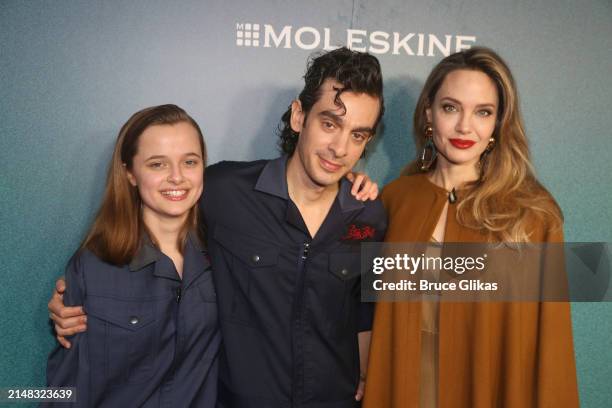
{"points": [[152, 339], [289, 304]]}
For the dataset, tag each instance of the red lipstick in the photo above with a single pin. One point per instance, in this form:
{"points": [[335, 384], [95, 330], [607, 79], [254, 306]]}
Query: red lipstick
{"points": [[462, 143]]}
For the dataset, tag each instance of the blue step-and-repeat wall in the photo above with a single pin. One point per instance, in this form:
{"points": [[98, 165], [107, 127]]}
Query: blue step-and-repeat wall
{"points": [[71, 72]]}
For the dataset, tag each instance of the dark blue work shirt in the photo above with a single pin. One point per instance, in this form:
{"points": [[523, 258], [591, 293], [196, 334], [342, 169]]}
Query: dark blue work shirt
{"points": [[289, 304], [152, 339]]}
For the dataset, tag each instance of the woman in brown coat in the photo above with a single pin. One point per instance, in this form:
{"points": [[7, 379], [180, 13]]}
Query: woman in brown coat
{"points": [[473, 182]]}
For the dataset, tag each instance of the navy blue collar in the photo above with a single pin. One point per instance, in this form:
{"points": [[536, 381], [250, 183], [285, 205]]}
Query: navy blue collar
{"points": [[273, 180], [149, 253]]}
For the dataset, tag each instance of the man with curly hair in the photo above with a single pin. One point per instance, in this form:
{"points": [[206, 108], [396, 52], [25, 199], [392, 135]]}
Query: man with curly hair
{"points": [[283, 237]]}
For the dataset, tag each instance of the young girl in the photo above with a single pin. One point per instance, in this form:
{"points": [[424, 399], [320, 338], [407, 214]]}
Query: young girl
{"points": [[143, 277]]}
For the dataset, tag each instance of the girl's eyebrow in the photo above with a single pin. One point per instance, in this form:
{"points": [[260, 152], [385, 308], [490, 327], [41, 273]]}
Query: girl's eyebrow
{"points": [[160, 156]]}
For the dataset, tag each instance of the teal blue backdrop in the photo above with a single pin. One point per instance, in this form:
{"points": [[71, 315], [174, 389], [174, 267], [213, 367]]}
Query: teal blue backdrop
{"points": [[71, 72]]}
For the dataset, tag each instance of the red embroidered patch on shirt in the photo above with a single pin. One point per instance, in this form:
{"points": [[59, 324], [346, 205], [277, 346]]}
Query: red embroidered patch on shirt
{"points": [[359, 233]]}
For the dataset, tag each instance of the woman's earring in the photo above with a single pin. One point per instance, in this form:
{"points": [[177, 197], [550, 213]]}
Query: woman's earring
{"points": [[483, 157], [487, 150], [491, 144], [428, 155]]}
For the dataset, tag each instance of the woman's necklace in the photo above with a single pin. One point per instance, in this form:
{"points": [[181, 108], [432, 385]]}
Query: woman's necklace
{"points": [[452, 196]]}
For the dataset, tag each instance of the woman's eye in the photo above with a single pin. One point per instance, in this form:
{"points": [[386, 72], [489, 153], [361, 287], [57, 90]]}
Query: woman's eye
{"points": [[484, 113], [156, 165], [449, 108], [191, 162]]}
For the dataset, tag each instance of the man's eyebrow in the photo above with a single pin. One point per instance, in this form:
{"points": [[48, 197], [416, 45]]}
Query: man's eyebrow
{"points": [[331, 115], [338, 119], [364, 129]]}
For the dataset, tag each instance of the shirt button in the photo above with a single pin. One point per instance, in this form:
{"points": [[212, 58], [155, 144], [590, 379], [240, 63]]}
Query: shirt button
{"points": [[344, 272], [134, 320], [255, 258]]}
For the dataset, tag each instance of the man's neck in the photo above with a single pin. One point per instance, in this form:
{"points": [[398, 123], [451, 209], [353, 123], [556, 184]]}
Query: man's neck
{"points": [[312, 200], [303, 191]]}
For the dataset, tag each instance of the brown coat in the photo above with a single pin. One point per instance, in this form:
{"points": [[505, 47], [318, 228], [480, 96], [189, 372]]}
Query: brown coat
{"points": [[490, 354]]}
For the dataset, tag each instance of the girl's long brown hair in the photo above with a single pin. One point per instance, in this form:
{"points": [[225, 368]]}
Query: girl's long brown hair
{"points": [[504, 201], [117, 231]]}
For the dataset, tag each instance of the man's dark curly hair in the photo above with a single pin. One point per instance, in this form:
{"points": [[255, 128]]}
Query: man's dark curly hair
{"points": [[355, 71]]}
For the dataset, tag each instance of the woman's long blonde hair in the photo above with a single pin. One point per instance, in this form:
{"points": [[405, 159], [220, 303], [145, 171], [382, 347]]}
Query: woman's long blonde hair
{"points": [[504, 201]]}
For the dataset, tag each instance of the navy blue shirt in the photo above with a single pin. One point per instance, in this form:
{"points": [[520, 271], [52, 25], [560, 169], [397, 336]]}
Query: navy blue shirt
{"points": [[289, 304], [152, 339]]}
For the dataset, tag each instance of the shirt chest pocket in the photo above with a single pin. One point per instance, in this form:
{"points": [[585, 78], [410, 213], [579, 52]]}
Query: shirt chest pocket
{"points": [[251, 264], [251, 252], [345, 265], [123, 338]]}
